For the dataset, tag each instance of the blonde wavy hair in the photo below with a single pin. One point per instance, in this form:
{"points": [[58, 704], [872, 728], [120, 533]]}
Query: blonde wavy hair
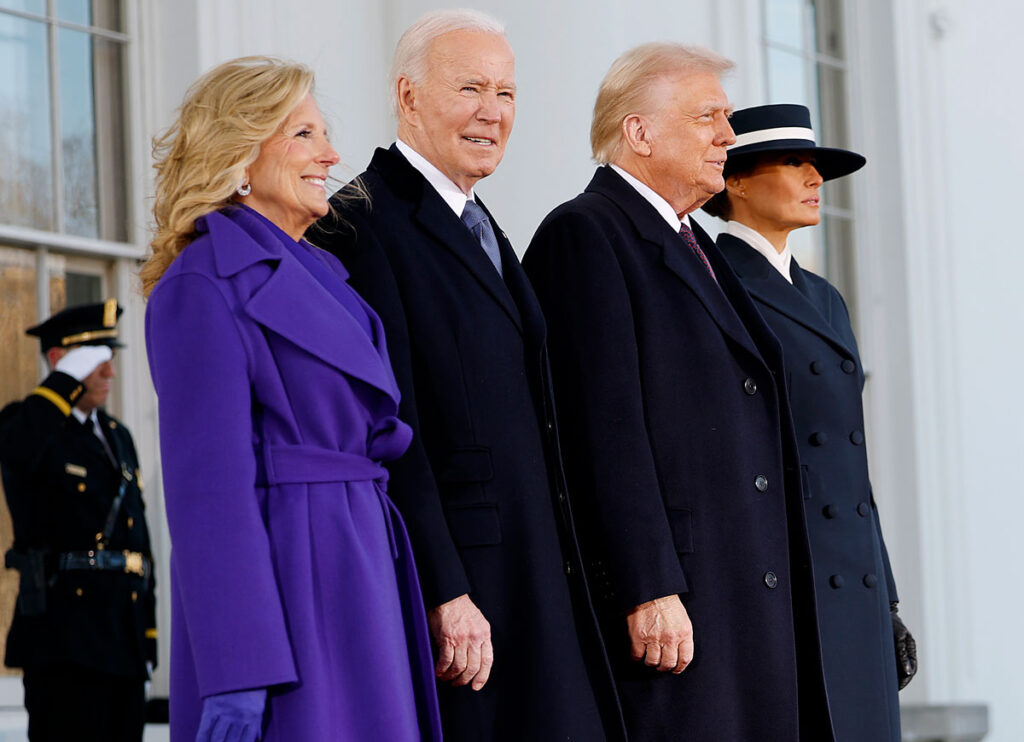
{"points": [[226, 116], [630, 84]]}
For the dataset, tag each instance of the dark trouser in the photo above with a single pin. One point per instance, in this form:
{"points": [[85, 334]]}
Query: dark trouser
{"points": [[68, 702]]}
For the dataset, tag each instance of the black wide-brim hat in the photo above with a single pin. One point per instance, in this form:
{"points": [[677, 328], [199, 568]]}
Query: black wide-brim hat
{"points": [[784, 127], [86, 324]]}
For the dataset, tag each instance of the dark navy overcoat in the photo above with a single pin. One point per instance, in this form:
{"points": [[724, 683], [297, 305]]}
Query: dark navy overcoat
{"points": [[290, 569], [851, 568], [681, 465], [480, 487]]}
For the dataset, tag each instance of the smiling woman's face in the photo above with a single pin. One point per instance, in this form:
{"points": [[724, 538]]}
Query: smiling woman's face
{"points": [[288, 178], [779, 194]]}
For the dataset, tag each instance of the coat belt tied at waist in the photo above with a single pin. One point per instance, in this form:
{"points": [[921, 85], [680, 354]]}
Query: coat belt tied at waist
{"points": [[303, 464]]}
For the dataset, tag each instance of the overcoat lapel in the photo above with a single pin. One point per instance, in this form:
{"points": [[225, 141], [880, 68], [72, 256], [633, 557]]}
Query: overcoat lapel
{"points": [[437, 219], [799, 301], [652, 228], [295, 305]]}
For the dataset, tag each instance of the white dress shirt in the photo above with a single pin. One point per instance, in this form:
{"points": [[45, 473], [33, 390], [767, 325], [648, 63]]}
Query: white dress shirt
{"points": [[661, 205], [780, 261], [446, 189], [82, 417]]}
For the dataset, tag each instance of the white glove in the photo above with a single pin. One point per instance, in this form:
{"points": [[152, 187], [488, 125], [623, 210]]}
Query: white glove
{"points": [[82, 360]]}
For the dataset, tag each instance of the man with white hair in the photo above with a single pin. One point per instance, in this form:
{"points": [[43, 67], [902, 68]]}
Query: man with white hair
{"points": [[481, 488], [679, 449]]}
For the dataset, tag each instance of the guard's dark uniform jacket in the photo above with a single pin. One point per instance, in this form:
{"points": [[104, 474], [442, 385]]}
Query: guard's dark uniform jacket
{"points": [[80, 604]]}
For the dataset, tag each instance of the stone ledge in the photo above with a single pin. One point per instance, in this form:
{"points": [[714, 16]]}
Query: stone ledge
{"points": [[961, 722]]}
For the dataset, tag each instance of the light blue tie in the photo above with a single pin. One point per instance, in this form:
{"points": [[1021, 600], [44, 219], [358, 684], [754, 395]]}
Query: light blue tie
{"points": [[475, 218]]}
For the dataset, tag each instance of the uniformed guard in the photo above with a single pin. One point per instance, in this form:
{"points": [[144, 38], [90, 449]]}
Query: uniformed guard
{"points": [[84, 629]]}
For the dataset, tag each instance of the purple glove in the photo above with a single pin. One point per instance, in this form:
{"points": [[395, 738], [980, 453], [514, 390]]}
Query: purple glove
{"points": [[233, 717]]}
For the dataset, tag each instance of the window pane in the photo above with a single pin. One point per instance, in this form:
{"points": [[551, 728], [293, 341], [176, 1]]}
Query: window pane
{"points": [[829, 23], [78, 133], [111, 138], [28, 6], [783, 21], [26, 177], [787, 77], [102, 13], [83, 288]]}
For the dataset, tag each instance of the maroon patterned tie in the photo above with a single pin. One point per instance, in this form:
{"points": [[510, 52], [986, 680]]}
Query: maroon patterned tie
{"points": [[687, 234]]}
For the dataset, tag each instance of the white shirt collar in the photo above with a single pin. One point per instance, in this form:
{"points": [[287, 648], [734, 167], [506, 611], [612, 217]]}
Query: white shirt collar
{"points": [[446, 189], [661, 205], [81, 416], [780, 261]]}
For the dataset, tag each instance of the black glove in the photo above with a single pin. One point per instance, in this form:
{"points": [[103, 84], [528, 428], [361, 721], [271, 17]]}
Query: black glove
{"points": [[906, 649]]}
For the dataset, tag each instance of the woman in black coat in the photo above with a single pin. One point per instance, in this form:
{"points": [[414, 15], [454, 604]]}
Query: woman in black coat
{"points": [[772, 176]]}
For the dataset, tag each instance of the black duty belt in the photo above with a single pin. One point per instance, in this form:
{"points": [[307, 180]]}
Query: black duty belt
{"points": [[129, 562]]}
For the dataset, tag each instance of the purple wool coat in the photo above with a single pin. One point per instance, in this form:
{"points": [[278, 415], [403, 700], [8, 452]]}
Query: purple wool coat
{"points": [[290, 569]]}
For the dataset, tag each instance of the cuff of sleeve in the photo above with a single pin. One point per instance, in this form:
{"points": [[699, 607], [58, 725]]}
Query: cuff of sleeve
{"points": [[61, 390]]}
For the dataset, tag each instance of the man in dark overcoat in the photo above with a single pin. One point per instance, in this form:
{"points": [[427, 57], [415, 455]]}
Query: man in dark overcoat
{"points": [[481, 486], [679, 449], [84, 627]]}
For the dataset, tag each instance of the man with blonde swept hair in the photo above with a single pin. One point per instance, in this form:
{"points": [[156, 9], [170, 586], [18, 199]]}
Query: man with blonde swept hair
{"points": [[481, 488], [678, 445]]}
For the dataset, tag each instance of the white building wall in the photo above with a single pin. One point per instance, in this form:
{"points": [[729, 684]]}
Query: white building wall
{"points": [[935, 103]]}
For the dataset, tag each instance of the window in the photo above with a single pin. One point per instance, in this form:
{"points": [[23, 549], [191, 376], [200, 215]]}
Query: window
{"points": [[806, 62], [62, 124], [63, 188]]}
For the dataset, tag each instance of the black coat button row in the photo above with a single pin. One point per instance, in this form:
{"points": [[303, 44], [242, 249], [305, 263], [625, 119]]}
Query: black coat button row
{"points": [[831, 511], [761, 482], [848, 366], [750, 387], [837, 581], [856, 438], [818, 438], [817, 368], [771, 580]]}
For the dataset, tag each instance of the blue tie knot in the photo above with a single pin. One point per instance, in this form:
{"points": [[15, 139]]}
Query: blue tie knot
{"points": [[473, 215]]}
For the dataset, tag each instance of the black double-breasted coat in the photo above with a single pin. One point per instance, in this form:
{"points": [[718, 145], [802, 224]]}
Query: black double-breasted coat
{"points": [[682, 468], [481, 487], [852, 575], [60, 483]]}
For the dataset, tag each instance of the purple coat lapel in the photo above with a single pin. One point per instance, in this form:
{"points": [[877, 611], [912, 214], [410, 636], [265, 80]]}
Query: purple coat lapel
{"points": [[312, 319]]}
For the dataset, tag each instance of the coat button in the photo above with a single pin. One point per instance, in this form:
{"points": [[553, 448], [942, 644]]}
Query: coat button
{"points": [[863, 509], [81, 486], [761, 482], [848, 366], [135, 596], [817, 367], [836, 581], [131, 522], [856, 438], [870, 581], [770, 580], [830, 511], [78, 591], [750, 386], [819, 438]]}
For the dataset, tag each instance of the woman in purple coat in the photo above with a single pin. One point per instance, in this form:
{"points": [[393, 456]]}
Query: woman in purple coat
{"points": [[295, 608]]}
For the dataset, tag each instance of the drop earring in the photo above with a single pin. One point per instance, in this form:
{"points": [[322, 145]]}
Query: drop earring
{"points": [[245, 189]]}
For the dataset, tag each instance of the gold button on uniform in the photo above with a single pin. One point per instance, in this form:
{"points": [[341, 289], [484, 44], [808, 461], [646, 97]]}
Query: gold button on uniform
{"points": [[112, 424], [135, 596], [81, 486], [131, 522], [78, 591]]}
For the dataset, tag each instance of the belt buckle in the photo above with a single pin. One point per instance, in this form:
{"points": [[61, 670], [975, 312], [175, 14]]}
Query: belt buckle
{"points": [[133, 563]]}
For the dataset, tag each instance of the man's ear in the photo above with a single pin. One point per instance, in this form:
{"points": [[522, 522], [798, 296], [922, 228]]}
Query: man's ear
{"points": [[55, 354], [636, 134], [406, 92]]}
